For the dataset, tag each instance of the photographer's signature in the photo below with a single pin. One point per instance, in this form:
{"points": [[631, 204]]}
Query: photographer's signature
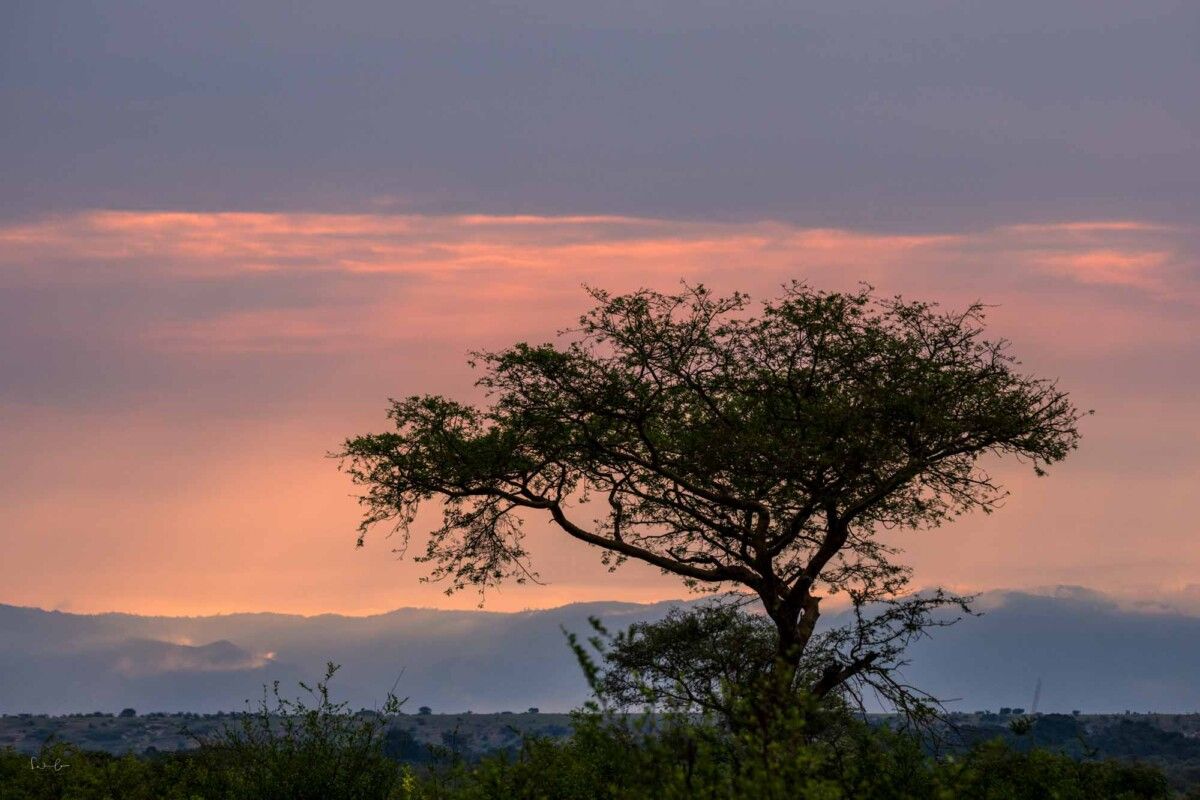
{"points": [[38, 764]]}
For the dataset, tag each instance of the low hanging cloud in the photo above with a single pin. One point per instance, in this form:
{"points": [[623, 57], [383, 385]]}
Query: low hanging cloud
{"points": [[140, 658]]}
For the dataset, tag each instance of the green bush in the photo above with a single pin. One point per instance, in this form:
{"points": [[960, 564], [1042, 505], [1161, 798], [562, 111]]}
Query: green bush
{"points": [[65, 772], [606, 759], [611, 759], [318, 750], [298, 750]]}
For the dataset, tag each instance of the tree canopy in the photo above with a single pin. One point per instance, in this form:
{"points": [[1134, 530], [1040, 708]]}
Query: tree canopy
{"points": [[761, 452]]}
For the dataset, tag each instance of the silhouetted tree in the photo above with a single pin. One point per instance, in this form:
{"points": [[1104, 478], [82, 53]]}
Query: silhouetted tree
{"points": [[691, 660], [400, 744], [755, 452]]}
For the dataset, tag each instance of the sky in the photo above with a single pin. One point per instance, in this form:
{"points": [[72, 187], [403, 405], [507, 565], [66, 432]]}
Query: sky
{"points": [[230, 231]]}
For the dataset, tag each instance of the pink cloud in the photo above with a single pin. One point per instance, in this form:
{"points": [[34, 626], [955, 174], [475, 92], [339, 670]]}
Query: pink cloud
{"points": [[1141, 270], [238, 348], [478, 264]]}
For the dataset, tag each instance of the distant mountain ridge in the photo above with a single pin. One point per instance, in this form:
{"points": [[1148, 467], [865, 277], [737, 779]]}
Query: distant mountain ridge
{"points": [[1090, 654], [58, 662]]}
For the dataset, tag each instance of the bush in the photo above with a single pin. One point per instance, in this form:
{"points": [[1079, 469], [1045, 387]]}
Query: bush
{"points": [[65, 772], [676, 758], [326, 753], [315, 749], [293, 750]]}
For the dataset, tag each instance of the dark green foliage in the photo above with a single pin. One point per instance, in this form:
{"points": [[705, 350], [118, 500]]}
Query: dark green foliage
{"points": [[1134, 739], [304, 750], [994, 771], [456, 742], [756, 453], [295, 750], [691, 661], [607, 758], [401, 745], [286, 749], [807, 749], [64, 772]]}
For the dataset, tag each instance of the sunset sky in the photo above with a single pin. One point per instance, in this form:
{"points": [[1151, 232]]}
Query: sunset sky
{"points": [[229, 232]]}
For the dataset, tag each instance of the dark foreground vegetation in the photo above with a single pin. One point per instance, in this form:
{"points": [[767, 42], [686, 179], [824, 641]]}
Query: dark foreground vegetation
{"points": [[604, 759], [291, 750]]}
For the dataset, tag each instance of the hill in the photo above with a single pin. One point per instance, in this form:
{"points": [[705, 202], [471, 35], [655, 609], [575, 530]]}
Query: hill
{"points": [[1090, 654]]}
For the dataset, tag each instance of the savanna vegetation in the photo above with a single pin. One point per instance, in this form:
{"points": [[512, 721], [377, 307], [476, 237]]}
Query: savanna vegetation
{"points": [[764, 454], [315, 749]]}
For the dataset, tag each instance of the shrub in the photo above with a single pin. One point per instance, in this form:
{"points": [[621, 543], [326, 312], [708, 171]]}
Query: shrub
{"points": [[326, 753], [296, 750]]}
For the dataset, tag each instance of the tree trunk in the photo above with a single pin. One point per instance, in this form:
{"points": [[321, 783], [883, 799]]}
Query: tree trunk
{"points": [[789, 651], [795, 628]]}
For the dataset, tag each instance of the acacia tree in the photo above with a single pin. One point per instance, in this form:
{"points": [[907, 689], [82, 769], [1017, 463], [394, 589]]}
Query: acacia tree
{"points": [[762, 453]]}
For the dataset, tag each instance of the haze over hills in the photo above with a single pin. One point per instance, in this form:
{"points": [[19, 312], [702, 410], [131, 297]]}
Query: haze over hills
{"points": [[1090, 654]]}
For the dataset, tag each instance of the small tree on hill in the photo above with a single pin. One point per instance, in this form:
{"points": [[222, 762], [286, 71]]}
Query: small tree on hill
{"points": [[761, 453]]}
